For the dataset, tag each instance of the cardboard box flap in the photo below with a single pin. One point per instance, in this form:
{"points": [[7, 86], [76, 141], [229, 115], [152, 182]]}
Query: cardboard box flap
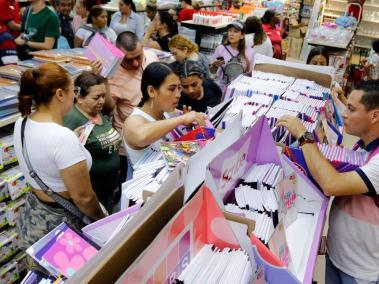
{"points": [[322, 75], [231, 165], [196, 166], [115, 257]]}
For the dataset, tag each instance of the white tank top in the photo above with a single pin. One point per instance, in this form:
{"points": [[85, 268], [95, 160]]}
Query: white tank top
{"points": [[135, 155]]}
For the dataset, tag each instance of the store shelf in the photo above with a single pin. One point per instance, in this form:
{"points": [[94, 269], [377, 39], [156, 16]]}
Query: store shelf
{"points": [[367, 35], [329, 44], [335, 10], [362, 46], [9, 120], [371, 5], [331, 16], [370, 21]]}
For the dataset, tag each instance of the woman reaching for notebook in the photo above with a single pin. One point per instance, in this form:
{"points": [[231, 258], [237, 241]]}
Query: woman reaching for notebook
{"points": [[147, 125]]}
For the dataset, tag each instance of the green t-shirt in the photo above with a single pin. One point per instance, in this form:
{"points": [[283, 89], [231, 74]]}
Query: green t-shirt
{"points": [[43, 24], [103, 144]]}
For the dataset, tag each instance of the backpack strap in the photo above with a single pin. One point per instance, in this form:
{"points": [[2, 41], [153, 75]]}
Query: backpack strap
{"points": [[227, 49]]}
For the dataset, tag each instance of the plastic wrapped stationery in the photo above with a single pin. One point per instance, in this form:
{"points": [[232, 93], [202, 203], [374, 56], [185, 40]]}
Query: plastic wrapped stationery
{"points": [[110, 56], [62, 252], [251, 179]]}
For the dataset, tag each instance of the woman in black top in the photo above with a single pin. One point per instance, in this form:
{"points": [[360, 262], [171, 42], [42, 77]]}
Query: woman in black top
{"points": [[197, 92]]}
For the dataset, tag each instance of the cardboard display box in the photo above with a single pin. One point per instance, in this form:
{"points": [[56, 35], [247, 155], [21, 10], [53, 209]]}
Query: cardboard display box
{"points": [[116, 256], [304, 234], [322, 75], [198, 223]]}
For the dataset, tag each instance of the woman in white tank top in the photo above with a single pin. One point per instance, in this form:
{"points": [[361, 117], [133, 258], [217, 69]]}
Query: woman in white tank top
{"points": [[147, 124]]}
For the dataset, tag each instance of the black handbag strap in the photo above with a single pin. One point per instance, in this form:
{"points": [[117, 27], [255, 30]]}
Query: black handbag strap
{"points": [[66, 204]]}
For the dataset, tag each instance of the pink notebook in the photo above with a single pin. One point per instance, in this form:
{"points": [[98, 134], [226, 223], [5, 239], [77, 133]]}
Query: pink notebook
{"points": [[69, 253], [101, 49]]}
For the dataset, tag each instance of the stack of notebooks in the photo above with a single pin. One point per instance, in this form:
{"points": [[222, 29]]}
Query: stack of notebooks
{"points": [[62, 252], [54, 55], [259, 197], [104, 230], [275, 95], [267, 197], [213, 265], [12, 72], [148, 174], [343, 159], [36, 277], [9, 100]]}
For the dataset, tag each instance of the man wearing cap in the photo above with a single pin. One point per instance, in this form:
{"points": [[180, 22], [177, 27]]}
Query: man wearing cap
{"points": [[198, 93]]}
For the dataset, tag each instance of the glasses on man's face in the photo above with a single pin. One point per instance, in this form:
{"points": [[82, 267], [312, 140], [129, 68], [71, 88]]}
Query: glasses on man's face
{"points": [[76, 90]]}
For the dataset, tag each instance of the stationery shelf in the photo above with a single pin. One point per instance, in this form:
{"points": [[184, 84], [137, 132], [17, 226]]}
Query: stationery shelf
{"points": [[204, 30], [331, 16], [330, 44], [367, 35], [370, 21], [9, 120], [362, 46]]}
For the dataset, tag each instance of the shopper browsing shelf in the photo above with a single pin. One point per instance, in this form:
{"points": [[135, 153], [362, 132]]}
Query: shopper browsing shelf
{"points": [[126, 19], [232, 58], [147, 125], [353, 255], [184, 49], [198, 93], [256, 37], [270, 21], [96, 23], [55, 154], [159, 32], [103, 142]]}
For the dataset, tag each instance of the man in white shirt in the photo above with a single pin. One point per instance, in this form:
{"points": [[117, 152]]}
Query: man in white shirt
{"points": [[353, 237]]}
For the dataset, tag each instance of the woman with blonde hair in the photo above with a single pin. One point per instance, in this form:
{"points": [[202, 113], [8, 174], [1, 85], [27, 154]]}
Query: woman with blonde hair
{"points": [[184, 49]]}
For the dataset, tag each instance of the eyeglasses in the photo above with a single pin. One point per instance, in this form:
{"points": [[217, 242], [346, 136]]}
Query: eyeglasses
{"points": [[76, 90]]}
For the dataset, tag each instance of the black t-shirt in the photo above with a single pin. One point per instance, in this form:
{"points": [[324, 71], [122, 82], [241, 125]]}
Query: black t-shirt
{"points": [[212, 97], [163, 42]]}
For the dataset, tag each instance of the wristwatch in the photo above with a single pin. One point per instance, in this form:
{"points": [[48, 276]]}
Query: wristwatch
{"points": [[306, 138]]}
